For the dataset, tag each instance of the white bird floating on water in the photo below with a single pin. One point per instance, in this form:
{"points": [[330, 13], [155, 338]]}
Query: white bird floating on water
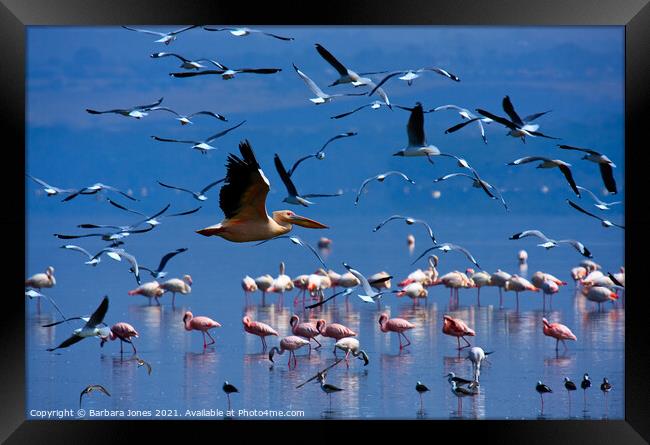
{"points": [[242, 32], [165, 37], [138, 112], [204, 145], [550, 243], [381, 178]]}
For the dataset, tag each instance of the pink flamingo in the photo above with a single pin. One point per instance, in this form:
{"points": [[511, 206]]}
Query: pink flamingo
{"points": [[41, 280], [519, 284], [306, 330], [124, 332], [150, 290], [258, 328], [549, 288], [559, 332], [334, 330], [457, 328], [290, 343], [203, 324], [177, 285], [398, 325]]}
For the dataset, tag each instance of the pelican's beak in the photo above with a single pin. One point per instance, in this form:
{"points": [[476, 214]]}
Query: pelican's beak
{"points": [[211, 230], [399, 153], [306, 222]]}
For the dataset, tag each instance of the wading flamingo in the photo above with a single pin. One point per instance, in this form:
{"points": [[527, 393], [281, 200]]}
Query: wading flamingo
{"points": [[559, 332], [306, 330], [397, 325], [177, 285], [124, 332], [290, 343], [456, 327], [203, 324], [258, 328]]}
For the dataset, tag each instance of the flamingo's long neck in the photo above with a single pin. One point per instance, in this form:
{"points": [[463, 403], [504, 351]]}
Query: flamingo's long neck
{"points": [[186, 322]]}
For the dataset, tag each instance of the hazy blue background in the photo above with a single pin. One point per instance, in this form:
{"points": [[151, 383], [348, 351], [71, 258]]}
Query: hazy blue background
{"points": [[575, 71]]}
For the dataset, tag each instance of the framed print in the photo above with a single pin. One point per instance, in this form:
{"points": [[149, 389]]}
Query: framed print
{"points": [[417, 215]]}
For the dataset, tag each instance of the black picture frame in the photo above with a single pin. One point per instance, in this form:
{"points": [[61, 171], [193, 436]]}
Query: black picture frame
{"points": [[15, 15]]}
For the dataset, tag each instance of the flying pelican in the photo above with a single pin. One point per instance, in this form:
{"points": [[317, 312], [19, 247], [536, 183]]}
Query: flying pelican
{"points": [[92, 388], [159, 272], [293, 196], [200, 195], [204, 145], [551, 163], [602, 205], [348, 76], [90, 329], [370, 296], [138, 112], [417, 144], [299, 242], [446, 247], [489, 189], [227, 73], [186, 63], [243, 200], [321, 97], [468, 116], [241, 32], [374, 105], [50, 189], [410, 75], [96, 188], [604, 163], [604, 222], [165, 37], [519, 128], [185, 119], [381, 177], [320, 154], [410, 221], [550, 243]]}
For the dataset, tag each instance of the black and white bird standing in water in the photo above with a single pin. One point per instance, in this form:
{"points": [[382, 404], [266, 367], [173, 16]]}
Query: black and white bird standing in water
{"points": [[138, 112], [200, 195], [321, 96], [410, 75], [229, 388], [96, 188], [467, 115], [50, 189], [165, 37], [155, 219], [460, 392], [320, 154], [92, 388], [417, 143], [491, 191], [326, 387], [519, 128], [542, 389], [604, 163], [186, 119], [410, 221], [586, 383], [381, 177], [602, 205], [242, 32], [570, 386], [550, 243], [605, 387], [204, 145], [551, 163], [159, 271], [185, 62], [225, 72], [446, 247], [452, 377], [374, 105], [298, 241], [421, 389], [603, 222], [348, 76], [293, 196], [90, 329]]}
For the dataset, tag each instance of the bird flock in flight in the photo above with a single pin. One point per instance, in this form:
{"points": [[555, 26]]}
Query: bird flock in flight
{"points": [[242, 199]]}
